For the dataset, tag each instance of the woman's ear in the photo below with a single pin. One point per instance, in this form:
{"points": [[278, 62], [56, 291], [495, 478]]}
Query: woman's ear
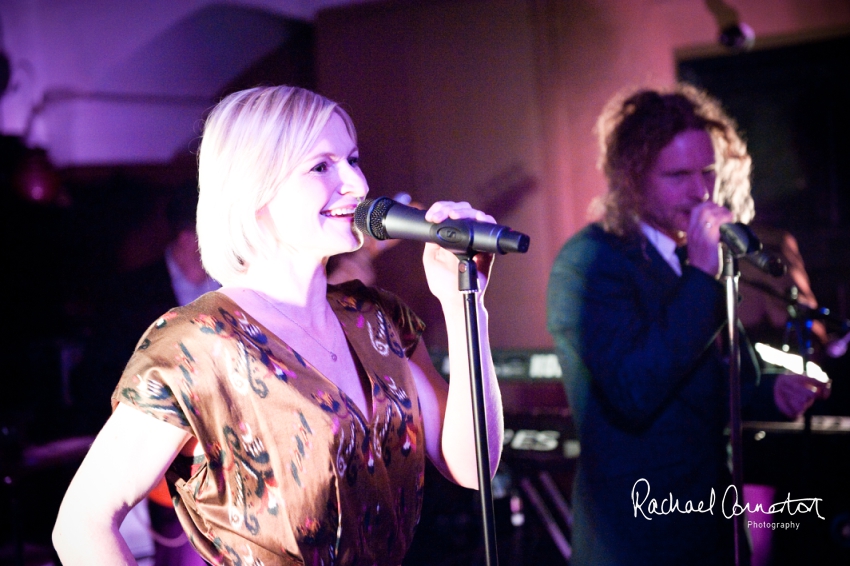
{"points": [[265, 221], [267, 231]]}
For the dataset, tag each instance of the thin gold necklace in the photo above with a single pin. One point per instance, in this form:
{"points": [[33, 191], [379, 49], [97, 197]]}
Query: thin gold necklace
{"points": [[290, 319]]}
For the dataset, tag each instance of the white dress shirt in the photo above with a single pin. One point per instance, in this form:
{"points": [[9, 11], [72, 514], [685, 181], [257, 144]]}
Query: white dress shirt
{"points": [[665, 245]]}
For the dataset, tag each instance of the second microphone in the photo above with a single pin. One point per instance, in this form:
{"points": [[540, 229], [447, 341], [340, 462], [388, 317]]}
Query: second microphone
{"points": [[384, 218]]}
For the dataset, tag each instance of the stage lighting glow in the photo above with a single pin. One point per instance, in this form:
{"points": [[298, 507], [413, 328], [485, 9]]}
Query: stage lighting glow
{"points": [[791, 362]]}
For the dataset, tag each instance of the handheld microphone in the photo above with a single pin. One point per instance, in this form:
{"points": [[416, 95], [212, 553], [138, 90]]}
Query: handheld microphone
{"points": [[384, 218], [742, 242]]}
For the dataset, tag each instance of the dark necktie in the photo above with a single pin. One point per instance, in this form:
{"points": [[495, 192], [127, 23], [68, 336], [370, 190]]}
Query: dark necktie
{"points": [[682, 254]]}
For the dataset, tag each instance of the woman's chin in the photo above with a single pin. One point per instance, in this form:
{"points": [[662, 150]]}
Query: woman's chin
{"points": [[353, 245]]}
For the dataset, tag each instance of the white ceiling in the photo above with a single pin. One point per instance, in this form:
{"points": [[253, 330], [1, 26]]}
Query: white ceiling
{"points": [[104, 82]]}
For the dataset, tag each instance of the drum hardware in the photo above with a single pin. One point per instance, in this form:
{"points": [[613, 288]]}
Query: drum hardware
{"points": [[549, 521]]}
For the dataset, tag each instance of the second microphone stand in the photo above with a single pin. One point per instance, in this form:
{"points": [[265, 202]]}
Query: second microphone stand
{"points": [[730, 276]]}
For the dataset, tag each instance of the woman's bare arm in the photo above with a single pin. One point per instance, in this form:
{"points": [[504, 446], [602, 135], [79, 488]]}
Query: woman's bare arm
{"points": [[128, 457]]}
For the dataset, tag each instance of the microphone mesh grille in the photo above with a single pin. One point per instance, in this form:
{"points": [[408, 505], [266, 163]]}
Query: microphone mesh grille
{"points": [[369, 217]]}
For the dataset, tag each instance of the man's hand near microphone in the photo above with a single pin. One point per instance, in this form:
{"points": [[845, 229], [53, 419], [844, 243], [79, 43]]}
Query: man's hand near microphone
{"points": [[793, 393]]}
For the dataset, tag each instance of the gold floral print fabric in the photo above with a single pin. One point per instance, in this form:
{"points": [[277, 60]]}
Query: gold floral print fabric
{"points": [[292, 472]]}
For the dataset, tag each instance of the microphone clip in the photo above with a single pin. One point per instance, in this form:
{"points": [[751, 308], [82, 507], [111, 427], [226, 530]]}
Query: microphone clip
{"points": [[742, 242]]}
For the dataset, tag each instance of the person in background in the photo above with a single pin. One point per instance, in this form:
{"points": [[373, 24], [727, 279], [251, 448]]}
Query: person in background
{"points": [[129, 301], [763, 308], [132, 299], [292, 418], [636, 312]]}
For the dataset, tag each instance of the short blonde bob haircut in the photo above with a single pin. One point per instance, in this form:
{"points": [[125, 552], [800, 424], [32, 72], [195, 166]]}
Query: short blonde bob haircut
{"points": [[252, 141]]}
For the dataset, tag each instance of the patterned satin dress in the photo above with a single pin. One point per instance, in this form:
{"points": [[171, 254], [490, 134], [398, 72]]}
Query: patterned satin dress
{"points": [[292, 471]]}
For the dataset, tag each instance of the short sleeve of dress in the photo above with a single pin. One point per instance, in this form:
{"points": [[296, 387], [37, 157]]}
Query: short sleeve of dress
{"points": [[154, 380], [408, 325]]}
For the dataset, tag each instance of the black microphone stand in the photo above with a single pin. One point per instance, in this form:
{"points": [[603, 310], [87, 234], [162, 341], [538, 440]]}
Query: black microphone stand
{"points": [[802, 325], [468, 285], [730, 275]]}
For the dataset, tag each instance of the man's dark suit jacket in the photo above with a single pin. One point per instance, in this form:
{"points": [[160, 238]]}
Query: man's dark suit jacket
{"points": [[648, 390]]}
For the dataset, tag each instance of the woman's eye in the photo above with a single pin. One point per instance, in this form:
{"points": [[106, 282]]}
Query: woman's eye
{"points": [[320, 168], [354, 161]]}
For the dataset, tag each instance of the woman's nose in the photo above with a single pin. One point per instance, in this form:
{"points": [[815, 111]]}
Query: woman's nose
{"points": [[352, 181]]}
